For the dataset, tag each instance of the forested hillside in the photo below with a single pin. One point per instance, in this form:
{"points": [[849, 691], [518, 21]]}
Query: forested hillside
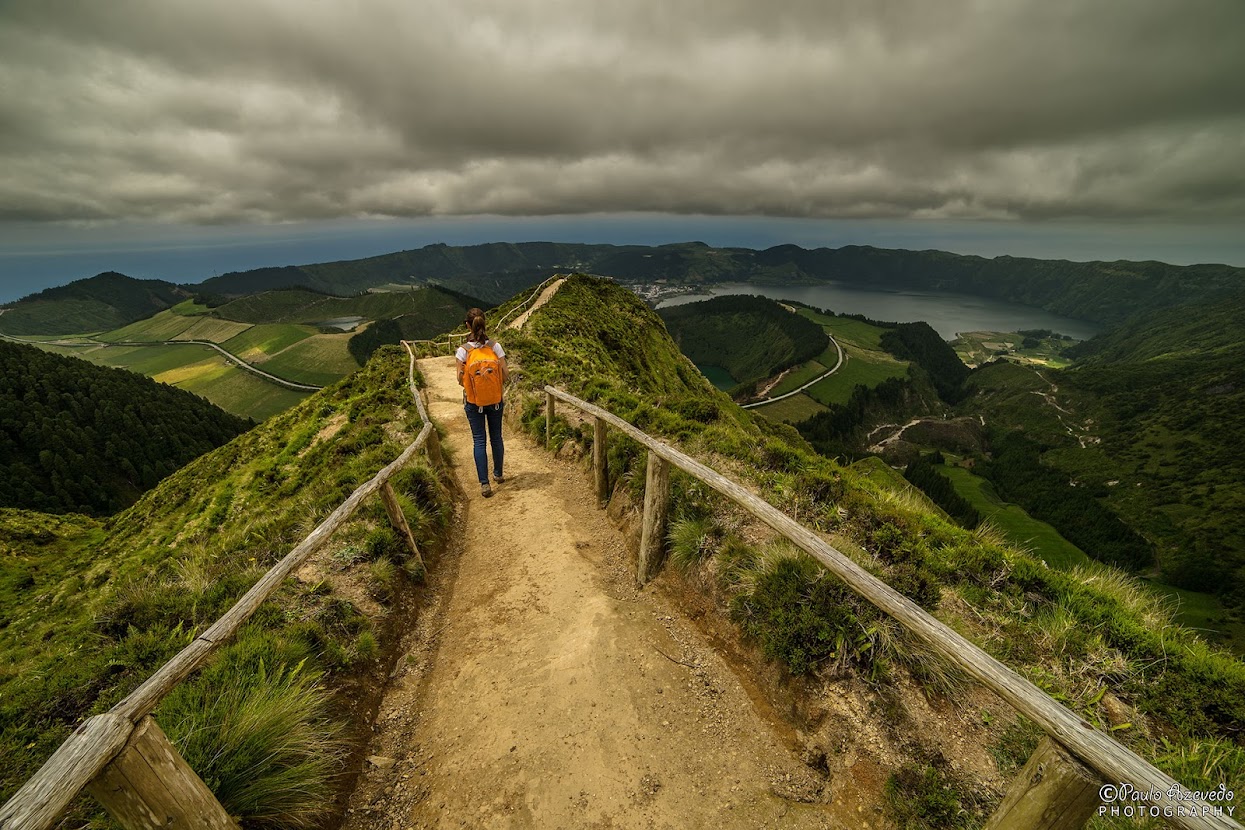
{"points": [[1168, 399], [105, 301], [75, 437], [1101, 291], [749, 337]]}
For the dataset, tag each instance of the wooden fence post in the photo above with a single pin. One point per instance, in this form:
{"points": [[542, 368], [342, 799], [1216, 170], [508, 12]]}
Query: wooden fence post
{"points": [[149, 785], [600, 463], [433, 447], [656, 509], [1054, 791], [549, 409], [398, 520]]}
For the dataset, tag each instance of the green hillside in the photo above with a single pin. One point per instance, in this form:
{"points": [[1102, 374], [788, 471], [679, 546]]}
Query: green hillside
{"points": [[1150, 421], [1078, 633], [195, 369], [105, 301], [87, 439], [89, 610], [750, 337]]}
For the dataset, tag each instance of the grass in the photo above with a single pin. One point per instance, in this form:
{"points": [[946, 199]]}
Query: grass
{"points": [[213, 330], [798, 377], [847, 330], [320, 360], [861, 367], [91, 609], [163, 326], [1017, 526], [261, 341], [196, 369], [791, 410], [189, 308]]}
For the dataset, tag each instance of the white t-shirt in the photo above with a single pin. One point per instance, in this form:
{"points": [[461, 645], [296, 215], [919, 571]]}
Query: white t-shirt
{"points": [[461, 354]]}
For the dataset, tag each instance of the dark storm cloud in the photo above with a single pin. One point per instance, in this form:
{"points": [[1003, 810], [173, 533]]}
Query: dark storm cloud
{"points": [[240, 111]]}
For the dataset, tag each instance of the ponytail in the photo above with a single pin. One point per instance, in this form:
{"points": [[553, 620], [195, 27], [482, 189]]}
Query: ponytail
{"points": [[475, 322]]}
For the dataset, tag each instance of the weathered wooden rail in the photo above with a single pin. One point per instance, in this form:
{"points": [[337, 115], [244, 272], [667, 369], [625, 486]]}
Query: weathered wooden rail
{"points": [[123, 758], [1059, 787]]}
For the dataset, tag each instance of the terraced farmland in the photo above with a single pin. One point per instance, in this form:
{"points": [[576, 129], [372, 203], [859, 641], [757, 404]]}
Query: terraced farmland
{"points": [[196, 369], [260, 342], [322, 359], [212, 329]]}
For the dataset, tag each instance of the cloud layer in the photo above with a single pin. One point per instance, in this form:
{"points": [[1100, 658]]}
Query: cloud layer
{"points": [[273, 110]]}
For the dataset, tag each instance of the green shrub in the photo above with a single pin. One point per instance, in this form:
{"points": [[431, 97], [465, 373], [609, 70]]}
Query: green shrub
{"points": [[803, 617], [925, 800]]}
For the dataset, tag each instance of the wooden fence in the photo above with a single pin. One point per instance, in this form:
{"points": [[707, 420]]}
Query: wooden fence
{"points": [[1059, 787], [123, 758]]}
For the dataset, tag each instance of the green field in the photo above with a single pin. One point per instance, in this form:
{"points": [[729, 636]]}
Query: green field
{"points": [[189, 308], [196, 369], [321, 360], [173, 325], [163, 326], [848, 330], [864, 364], [1018, 526], [792, 410], [261, 341], [861, 367], [213, 330], [799, 376]]}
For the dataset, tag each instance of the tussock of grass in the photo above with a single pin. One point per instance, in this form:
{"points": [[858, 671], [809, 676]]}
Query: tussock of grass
{"points": [[692, 541], [256, 734]]}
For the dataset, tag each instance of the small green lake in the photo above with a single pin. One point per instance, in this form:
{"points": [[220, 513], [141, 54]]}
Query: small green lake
{"points": [[718, 376]]}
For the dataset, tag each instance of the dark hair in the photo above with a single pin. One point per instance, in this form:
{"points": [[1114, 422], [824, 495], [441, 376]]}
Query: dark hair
{"points": [[475, 322]]}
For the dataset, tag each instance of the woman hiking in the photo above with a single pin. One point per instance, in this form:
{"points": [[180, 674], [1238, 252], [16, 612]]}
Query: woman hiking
{"points": [[481, 373]]}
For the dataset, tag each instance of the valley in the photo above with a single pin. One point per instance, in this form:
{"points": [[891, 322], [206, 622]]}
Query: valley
{"points": [[1100, 642]]}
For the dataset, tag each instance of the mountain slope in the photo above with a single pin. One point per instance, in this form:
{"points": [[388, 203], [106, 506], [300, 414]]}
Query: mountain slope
{"points": [[1101, 291], [89, 614], [105, 301], [75, 437], [750, 337], [1091, 636]]}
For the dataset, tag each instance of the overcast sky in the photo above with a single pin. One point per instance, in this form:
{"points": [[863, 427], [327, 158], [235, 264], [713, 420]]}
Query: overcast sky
{"points": [[239, 112]]}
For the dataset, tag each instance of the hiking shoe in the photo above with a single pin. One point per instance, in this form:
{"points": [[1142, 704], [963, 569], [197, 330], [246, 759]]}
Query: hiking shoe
{"points": [[499, 478], [485, 490]]}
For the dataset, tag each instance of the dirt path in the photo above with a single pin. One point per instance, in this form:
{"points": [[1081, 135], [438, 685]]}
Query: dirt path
{"points": [[547, 692], [517, 323]]}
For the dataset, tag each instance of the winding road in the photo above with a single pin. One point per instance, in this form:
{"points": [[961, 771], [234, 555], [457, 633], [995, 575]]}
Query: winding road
{"points": [[230, 356], [828, 373]]}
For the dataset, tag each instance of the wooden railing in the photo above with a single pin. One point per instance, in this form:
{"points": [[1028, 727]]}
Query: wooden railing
{"points": [[123, 758], [1053, 790]]}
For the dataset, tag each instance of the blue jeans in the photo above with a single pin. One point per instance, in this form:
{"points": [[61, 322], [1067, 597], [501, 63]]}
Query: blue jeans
{"points": [[491, 416]]}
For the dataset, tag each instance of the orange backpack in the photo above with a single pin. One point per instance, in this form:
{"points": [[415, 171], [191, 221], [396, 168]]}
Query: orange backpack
{"points": [[482, 376]]}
